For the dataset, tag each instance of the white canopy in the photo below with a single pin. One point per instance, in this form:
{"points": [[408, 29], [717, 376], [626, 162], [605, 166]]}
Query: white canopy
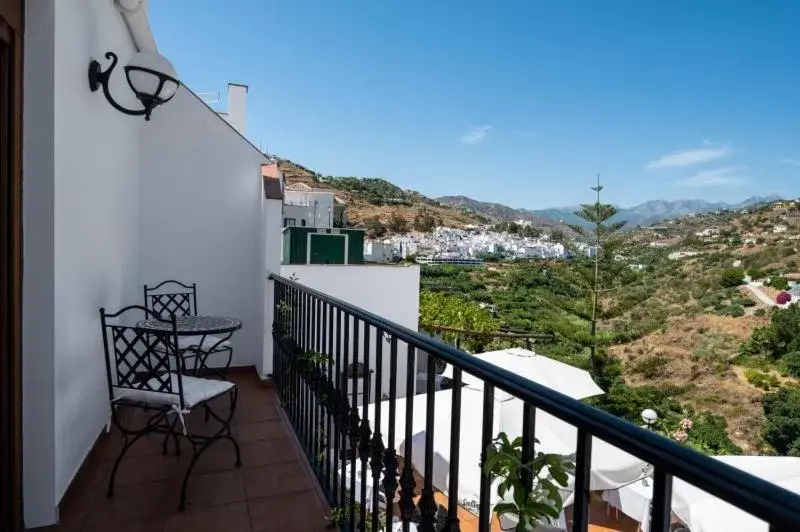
{"points": [[569, 380], [611, 467], [703, 512]]}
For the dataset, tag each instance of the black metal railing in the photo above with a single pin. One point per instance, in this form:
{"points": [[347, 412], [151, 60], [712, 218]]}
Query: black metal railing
{"points": [[324, 346]]}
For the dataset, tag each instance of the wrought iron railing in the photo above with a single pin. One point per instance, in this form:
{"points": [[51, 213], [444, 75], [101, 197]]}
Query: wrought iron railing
{"points": [[324, 346]]}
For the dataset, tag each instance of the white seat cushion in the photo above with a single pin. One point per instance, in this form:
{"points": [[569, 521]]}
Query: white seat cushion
{"points": [[207, 342], [195, 391]]}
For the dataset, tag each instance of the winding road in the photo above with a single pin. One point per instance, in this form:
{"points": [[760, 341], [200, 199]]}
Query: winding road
{"points": [[761, 296]]}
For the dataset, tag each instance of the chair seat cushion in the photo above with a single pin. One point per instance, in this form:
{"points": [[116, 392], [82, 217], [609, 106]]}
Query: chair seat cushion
{"points": [[195, 390], [204, 342]]}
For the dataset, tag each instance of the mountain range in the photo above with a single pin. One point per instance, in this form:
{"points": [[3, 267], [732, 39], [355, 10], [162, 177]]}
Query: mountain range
{"points": [[647, 213]]}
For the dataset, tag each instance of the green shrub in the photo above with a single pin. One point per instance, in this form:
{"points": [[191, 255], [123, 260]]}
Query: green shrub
{"points": [[782, 420], [736, 311], [650, 366], [760, 312], [731, 277], [779, 283], [791, 362], [765, 381]]}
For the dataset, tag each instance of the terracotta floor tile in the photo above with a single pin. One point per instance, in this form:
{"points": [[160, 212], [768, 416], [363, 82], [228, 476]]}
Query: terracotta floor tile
{"points": [[277, 479], [215, 489], [221, 456], [143, 469], [148, 525], [257, 413], [300, 512], [261, 431], [135, 502], [263, 452], [228, 518]]}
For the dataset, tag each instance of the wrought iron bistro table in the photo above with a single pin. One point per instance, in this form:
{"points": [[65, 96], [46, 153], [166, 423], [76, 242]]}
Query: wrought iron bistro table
{"points": [[208, 330]]}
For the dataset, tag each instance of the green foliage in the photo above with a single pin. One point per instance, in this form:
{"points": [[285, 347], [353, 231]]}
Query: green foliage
{"points": [[756, 273], [397, 224], [765, 381], [650, 366], [731, 277], [438, 310], [782, 420], [549, 471], [791, 363], [374, 227], [779, 283], [424, 222], [709, 433]]}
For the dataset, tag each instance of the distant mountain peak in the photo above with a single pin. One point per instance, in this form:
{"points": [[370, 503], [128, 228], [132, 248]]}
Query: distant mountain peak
{"points": [[646, 213]]}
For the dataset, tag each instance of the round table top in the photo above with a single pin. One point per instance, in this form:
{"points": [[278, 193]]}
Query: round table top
{"points": [[194, 325]]}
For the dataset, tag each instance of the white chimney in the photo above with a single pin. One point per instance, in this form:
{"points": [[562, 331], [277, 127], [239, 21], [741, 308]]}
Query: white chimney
{"points": [[237, 107]]}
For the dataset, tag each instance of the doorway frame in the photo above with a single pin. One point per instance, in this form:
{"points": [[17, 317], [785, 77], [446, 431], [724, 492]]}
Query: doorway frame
{"points": [[11, 93]]}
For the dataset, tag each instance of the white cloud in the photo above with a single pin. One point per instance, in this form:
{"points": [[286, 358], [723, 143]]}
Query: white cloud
{"points": [[475, 135], [720, 177], [690, 157], [792, 162]]}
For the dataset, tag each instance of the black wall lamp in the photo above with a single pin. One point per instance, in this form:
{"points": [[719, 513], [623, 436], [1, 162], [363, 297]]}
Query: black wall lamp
{"points": [[150, 75]]}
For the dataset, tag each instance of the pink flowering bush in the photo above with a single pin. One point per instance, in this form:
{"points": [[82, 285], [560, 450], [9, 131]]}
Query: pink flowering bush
{"points": [[681, 433], [783, 298]]}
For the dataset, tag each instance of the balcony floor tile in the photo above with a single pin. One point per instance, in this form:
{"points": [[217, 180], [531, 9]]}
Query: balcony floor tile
{"points": [[273, 490]]}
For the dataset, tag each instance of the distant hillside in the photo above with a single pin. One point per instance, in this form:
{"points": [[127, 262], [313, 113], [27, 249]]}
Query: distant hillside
{"points": [[647, 213], [500, 212], [367, 198]]}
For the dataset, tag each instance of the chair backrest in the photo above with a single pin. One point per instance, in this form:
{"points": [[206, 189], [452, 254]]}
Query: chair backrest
{"points": [[171, 297], [141, 359]]}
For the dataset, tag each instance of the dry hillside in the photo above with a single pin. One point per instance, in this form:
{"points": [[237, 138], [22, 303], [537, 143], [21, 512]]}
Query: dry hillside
{"points": [[359, 209]]}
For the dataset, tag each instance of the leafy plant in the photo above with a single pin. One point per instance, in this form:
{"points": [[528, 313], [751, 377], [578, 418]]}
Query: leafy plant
{"points": [[765, 381], [779, 283], [731, 277], [782, 420], [783, 297], [548, 471], [437, 310]]}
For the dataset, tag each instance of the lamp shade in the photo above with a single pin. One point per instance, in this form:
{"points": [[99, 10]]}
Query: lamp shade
{"points": [[152, 77], [649, 416]]}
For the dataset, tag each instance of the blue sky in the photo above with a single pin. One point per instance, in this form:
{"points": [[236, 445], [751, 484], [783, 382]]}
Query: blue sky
{"points": [[518, 102]]}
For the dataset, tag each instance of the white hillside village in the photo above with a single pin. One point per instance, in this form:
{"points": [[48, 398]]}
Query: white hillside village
{"points": [[449, 245]]}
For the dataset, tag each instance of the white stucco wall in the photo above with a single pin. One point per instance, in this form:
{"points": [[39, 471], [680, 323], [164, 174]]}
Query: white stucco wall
{"points": [[272, 262], [388, 291], [200, 200], [316, 208], [81, 191]]}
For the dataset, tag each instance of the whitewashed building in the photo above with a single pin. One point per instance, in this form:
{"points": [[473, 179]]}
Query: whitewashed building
{"points": [[113, 202]]}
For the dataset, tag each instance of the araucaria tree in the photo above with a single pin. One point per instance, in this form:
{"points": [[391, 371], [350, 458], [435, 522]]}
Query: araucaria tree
{"points": [[599, 275]]}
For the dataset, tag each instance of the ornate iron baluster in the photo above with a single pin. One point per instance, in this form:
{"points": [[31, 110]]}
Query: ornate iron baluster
{"points": [[377, 448], [407, 483], [427, 504], [390, 462]]}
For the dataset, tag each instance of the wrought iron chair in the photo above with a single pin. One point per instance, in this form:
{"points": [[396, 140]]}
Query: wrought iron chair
{"points": [[145, 371], [174, 297]]}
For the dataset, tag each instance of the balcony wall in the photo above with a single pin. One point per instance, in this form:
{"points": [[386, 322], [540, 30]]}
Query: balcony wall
{"points": [[389, 291], [112, 202], [200, 215], [80, 208]]}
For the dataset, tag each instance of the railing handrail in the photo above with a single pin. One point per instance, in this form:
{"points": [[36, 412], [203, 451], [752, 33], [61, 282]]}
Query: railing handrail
{"points": [[754, 495]]}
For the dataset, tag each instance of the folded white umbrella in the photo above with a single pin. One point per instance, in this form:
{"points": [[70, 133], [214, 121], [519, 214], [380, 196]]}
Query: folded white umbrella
{"points": [[569, 380], [703, 512], [611, 467]]}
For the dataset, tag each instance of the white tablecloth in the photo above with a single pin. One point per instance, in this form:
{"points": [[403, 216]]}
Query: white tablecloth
{"points": [[633, 501]]}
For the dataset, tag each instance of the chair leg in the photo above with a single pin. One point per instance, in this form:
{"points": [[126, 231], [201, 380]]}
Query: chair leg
{"points": [[223, 433], [128, 444]]}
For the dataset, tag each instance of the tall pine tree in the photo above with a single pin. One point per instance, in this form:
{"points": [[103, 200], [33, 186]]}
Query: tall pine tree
{"points": [[598, 274]]}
